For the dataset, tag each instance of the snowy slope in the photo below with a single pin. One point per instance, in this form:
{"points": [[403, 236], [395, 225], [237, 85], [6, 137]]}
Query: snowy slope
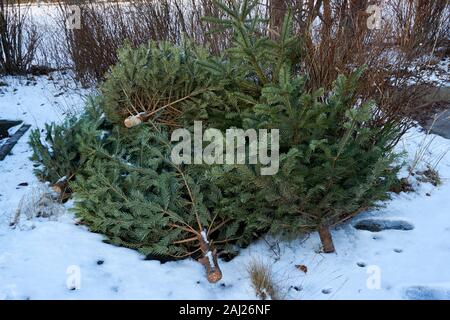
{"points": [[39, 258]]}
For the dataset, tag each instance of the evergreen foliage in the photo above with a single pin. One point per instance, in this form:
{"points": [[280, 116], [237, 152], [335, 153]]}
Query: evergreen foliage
{"points": [[131, 191], [332, 164], [173, 85], [57, 154], [261, 57], [335, 161]]}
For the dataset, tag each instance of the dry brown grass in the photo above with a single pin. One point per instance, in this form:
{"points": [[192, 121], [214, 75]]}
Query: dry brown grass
{"points": [[39, 202], [263, 280]]}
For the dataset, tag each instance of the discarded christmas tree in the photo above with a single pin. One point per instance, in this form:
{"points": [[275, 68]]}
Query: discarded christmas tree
{"points": [[131, 191], [335, 160]]}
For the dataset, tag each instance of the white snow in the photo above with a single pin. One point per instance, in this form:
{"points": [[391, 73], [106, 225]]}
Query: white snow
{"points": [[40, 260], [437, 74]]}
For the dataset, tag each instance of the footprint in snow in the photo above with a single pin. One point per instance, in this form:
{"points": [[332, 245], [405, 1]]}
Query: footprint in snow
{"points": [[361, 264], [326, 290], [422, 292]]}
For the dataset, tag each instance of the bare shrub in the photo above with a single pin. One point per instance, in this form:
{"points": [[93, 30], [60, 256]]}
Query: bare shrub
{"points": [[420, 25], [19, 38], [107, 26], [334, 35], [339, 39]]}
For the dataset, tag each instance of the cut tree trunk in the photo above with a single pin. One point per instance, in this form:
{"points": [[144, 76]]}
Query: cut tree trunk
{"points": [[136, 120], [213, 272], [209, 260], [325, 238]]}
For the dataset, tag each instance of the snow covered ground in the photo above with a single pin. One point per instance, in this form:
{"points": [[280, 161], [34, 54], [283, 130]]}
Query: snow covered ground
{"points": [[40, 258]]}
